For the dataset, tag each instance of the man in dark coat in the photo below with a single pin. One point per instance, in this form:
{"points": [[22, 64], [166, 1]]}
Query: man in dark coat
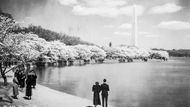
{"points": [[29, 81], [96, 98], [34, 77], [17, 75], [104, 89], [22, 80]]}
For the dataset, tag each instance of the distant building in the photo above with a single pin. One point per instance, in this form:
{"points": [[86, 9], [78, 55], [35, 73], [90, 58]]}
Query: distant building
{"points": [[134, 37], [110, 44]]}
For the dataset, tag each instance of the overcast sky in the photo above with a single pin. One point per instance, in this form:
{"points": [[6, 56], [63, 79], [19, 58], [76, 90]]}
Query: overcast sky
{"points": [[161, 23]]}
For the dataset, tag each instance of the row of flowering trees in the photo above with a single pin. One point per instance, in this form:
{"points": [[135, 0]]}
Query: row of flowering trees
{"points": [[126, 52], [34, 47], [31, 47]]}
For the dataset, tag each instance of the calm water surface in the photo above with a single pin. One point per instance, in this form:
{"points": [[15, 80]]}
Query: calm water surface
{"points": [[137, 84]]}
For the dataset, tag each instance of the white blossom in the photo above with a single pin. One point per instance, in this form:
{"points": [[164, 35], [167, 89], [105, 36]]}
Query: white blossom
{"points": [[83, 51], [97, 52]]}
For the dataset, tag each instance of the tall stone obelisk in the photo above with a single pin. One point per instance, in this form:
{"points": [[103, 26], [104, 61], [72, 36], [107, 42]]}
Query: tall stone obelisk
{"points": [[134, 28]]}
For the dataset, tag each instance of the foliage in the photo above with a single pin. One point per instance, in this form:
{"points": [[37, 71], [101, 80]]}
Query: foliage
{"points": [[49, 35], [159, 54], [177, 52], [97, 52], [83, 51], [6, 24], [125, 52]]}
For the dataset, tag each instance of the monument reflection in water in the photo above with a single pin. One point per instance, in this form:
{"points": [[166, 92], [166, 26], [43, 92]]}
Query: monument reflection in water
{"points": [[138, 84]]}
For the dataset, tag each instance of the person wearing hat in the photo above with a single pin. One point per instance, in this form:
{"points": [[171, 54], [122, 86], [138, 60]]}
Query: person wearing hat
{"points": [[29, 81], [104, 89], [96, 97]]}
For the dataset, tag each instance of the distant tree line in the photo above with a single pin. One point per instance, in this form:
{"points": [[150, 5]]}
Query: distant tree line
{"points": [[177, 52], [49, 35]]}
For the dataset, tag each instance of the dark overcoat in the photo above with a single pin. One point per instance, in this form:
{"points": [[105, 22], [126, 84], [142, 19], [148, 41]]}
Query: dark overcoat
{"points": [[96, 97], [15, 87], [105, 89], [34, 77], [22, 80], [29, 86]]}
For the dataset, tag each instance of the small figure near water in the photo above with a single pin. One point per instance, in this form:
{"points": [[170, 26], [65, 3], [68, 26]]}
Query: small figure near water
{"points": [[104, 89], [96, 97]]}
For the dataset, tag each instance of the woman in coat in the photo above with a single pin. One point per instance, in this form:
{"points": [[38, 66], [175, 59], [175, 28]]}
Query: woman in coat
{"points": [[96, 97], [15, 87], [29, 86], [34, 77], [22, 80]]}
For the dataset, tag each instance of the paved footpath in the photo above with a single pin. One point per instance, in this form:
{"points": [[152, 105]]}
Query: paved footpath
{"points": [[46, 97]]}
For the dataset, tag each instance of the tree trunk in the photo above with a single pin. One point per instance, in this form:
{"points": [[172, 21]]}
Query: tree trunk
{"points": [[3, 74], [5, 79]]}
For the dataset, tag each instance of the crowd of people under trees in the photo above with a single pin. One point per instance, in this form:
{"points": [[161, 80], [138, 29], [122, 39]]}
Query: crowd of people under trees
{"points": [[22, 80]]}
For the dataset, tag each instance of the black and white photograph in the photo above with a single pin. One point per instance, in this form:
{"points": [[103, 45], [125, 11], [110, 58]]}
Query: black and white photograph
{"points": [[94, 53]]}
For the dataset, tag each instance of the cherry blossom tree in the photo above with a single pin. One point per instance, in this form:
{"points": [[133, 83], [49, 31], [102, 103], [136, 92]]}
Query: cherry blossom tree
{"points": [[6, 24], [158, 54], [83, 51], [97, 52]]}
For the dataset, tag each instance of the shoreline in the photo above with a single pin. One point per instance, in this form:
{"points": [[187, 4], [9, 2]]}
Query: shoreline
{"points": [[43, 96]]}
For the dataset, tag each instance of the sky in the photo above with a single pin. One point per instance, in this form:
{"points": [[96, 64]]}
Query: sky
{"points": [[161, 23]]}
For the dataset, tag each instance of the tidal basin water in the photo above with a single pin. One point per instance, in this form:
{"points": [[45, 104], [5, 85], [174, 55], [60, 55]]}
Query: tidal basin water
{"points": [[137, 84]]}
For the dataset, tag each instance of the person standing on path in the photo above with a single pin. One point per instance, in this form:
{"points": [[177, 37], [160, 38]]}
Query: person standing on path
{"points": [[96, 97], [15, 88], [104, 89], [22, 80], [34, 77], [29, 81]]}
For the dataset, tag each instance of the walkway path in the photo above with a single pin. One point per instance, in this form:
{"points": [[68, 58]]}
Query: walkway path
{"points": [[46, 97]]}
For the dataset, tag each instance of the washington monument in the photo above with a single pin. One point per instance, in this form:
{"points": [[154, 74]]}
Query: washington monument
{"points": [[134, 37]]}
